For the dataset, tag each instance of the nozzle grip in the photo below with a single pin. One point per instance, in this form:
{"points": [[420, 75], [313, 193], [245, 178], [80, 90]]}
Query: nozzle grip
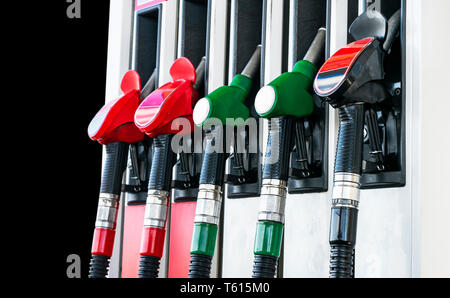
{"points": [[162, 162], [213, 165], [276, 161], [115, 163], [350, 139]]}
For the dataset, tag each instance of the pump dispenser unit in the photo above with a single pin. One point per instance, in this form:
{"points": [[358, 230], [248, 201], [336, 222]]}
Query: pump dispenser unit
{"points": [[282, 101], [352, 81]]}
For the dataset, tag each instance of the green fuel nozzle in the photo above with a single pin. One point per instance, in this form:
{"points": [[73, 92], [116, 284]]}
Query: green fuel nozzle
{"points": [[289, 93], [228, 101], [286, 96]]}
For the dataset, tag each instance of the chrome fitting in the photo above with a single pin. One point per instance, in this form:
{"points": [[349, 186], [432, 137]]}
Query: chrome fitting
{"points": [[107, 211], [156, 208], [346, 190], [273, 200], [209, 201]]}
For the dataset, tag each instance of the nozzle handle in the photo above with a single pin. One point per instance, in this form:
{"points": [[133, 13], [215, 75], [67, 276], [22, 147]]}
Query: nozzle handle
{"points": [[149, 86], [253, 64], [162, 162], [317, 47], [200, 74], [276, 161], [213, 165], [392, 31], [115, 164]]}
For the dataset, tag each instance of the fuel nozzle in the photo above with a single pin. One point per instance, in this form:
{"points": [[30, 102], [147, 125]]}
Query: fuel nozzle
{"points": [[224, 103], [288, 94], [283, 99], [112, 126], [228, 101], [352, 80]]}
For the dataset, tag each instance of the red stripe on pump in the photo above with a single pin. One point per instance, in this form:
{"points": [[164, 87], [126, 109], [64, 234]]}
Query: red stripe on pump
{"points": [[103, 242], [181, 226], [152, 241], [132, 231]]}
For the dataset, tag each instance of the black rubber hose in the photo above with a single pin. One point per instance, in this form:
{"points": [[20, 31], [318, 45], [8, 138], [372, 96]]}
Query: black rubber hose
{"points": [[342, 241], [213, 165], [115, 163], [111, 183], [276, 166], [342, 261], [276, 162], [148, 267], [98, 267], [343, 224], [264, 266], [163, 160], [212, 172], [200, 266]]}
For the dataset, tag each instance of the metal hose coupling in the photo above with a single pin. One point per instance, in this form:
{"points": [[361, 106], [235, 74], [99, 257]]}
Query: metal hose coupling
{"points": [[346, 190], [108, 204], [209, 201], [156, 208], [273, 200]]}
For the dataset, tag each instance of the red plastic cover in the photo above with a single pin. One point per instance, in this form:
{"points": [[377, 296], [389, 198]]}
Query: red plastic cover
{"points": [[169, 102], [114, 122], [333, 73]]}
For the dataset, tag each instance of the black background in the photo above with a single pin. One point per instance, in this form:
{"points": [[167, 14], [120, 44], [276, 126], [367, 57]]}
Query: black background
{"points": [[66, 76], [83, 83]]}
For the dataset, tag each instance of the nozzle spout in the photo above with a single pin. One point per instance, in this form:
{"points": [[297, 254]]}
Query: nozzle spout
{"points": [[253, 64], [392, 31], [149, 86], [200, 74], [316, 50]]}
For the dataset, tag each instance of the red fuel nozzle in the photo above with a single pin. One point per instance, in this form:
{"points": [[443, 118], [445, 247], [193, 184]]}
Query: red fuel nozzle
{"points": [[114, 122], [169, 102]]}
